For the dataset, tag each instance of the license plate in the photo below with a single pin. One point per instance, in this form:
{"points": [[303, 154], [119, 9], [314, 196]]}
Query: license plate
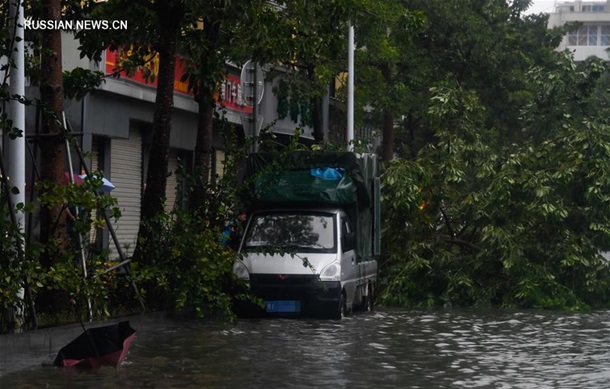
{"points": [[284, 306]]}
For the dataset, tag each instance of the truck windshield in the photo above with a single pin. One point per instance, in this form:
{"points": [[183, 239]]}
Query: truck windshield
{"points": [[304, 232]]}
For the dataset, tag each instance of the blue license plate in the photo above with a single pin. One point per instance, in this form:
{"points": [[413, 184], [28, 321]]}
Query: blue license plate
{"points": [[284, 306]]}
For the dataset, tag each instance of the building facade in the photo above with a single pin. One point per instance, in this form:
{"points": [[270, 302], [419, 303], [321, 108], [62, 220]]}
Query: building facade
{"points": [[592, 38], [114, 127]]}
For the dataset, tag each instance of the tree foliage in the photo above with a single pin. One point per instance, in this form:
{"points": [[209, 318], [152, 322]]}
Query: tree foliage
{"points": [[210, 41], [520, 226], [305, 49], [405, 48]]}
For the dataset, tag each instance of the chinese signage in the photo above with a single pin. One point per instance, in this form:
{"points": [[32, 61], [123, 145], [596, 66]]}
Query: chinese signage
{"points": [[229, 91]]}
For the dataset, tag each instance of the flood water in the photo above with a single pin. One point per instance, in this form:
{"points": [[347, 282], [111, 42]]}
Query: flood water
{"points": [[382, 349]]}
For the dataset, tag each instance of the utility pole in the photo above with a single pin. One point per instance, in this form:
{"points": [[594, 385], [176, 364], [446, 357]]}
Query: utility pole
{"points": [[16, 146]]}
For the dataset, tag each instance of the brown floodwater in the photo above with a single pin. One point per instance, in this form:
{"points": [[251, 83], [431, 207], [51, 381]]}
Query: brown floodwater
{"points": [[382, 349]]}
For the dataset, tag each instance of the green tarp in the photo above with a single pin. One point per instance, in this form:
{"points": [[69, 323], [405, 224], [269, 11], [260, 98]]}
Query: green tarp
{"points": [[299, 186], [286, 178]]}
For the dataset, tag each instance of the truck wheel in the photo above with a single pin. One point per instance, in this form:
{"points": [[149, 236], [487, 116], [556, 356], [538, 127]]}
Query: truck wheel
{"points": [[341, 310], [369, 304]]}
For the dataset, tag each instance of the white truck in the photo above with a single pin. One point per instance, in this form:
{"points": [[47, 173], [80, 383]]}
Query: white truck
{"points": [[313, 234]]}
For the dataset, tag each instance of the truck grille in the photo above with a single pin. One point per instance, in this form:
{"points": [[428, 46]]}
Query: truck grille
{"points": [[282, 281], [290, 287]]}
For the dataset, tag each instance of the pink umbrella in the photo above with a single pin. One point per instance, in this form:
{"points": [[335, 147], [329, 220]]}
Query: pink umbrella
{"points": [[107, 345]]}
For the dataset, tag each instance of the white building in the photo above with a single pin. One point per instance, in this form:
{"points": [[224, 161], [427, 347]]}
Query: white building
{"points": [[593, 36]]}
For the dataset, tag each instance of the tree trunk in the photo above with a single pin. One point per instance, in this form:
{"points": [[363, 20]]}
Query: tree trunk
{"points": [[411, 129], [52, 144], [205, 126], [316, 103], [205, 117], [169, 15], [318, 128], [388, 137], [387, 144]]}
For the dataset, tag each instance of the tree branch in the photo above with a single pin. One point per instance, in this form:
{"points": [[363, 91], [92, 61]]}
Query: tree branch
{"points": [[461, 242], [447, 223]]}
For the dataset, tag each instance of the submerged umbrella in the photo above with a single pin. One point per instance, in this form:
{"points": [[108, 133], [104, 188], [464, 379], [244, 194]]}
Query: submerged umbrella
{"points": [[107, 345], [107, 186]]}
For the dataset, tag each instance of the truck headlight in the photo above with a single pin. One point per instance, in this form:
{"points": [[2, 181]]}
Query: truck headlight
{"points": [[241, 271], [331, 272]]}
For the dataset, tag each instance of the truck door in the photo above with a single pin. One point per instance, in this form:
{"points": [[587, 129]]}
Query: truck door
{"points": [[349, 263]]}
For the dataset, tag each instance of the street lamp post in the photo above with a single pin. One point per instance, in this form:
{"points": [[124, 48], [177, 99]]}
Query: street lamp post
{"points": [[350, 89]]}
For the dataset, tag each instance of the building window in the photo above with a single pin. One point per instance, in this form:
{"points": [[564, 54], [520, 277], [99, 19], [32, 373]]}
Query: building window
{"points": [[572, 38], [605, 36], [590, 35], [583, 35], [593, 8]]}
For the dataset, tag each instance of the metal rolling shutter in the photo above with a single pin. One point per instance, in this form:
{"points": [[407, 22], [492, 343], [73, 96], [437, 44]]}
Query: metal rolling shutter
{"points": [[94, 157], [126, 173]]}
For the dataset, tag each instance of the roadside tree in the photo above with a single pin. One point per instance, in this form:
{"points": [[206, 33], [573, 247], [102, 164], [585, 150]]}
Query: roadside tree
{"points": [[526, 227]]}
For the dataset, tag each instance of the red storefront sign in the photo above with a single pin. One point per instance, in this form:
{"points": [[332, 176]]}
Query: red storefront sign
{"points": [[229, 91]]}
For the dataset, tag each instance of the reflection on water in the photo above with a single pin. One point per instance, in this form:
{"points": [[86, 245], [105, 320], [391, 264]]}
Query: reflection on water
{"points": [[385, 349]]}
